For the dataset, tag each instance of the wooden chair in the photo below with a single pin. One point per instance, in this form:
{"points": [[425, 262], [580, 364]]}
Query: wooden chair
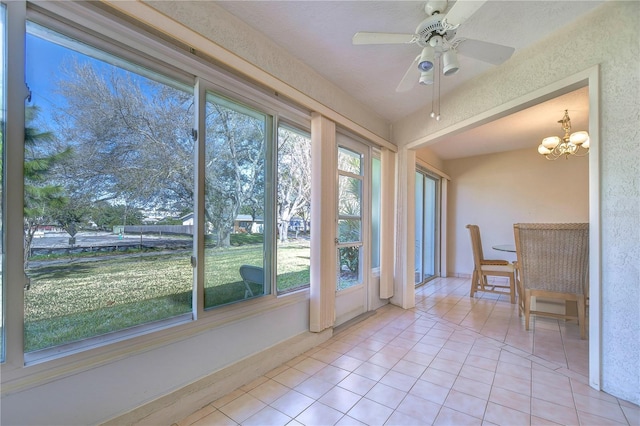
{"points": [[553, 262], [519, 290], [484, 268]]}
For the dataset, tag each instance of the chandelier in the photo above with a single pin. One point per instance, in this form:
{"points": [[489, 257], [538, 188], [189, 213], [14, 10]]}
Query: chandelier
{"points": [[576, 143]]}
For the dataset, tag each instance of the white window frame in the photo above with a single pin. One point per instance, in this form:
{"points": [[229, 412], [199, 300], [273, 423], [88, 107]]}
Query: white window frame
{"points": [[296, 126], [119, 38]]}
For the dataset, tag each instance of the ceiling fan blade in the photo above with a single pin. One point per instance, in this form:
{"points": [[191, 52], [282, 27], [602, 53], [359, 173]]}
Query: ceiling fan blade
{"points": [[383, 38], [410, 78], [462, 10], [484, 51]]}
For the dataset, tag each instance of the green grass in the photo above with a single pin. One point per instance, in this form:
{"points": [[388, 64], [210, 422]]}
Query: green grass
{"points": [[72, 301]]}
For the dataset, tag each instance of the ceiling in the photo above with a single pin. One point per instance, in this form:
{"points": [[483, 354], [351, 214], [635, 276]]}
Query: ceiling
{"points": [[316, 31], [521, 130]]}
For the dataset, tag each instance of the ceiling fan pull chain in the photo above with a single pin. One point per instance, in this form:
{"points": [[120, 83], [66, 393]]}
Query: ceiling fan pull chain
{"points": [[439, 79], [435, 98]]}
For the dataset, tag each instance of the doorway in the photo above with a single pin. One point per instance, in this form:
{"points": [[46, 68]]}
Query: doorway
{"points": [[352, 245], [588, 78]]}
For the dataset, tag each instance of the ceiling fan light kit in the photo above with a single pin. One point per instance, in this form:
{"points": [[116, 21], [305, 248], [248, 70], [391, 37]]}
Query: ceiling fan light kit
{"points": [[450, 64], [576, 144], [426, 77], [426, 59], [436, 36]]}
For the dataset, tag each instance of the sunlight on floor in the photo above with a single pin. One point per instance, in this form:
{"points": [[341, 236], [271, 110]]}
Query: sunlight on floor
{"points": [[452, 360]]}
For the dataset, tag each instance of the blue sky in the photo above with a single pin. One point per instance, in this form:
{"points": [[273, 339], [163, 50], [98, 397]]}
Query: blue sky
{"points": [[42, 60]]}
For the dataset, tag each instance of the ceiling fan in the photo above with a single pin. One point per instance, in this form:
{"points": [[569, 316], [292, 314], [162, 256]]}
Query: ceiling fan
{"points": [[436, 35]]}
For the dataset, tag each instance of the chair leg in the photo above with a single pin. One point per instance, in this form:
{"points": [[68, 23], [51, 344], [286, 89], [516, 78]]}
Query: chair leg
{"points": [[247, 291], [484, 282], [474, 285], [581, 317], [527, 308], [520, 297], [512, 288]]}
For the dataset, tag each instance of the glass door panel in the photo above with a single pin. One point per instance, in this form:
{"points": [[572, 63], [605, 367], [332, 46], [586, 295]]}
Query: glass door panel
{"points": [[430, 231], [350, 181], [419, 249], [352, 233], [426, 227]]}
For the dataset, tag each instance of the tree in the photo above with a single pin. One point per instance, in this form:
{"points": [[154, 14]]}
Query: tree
{"points": [[294, 178], [70, 215], [107, 215], [131, 134], [234, 164], [42, 196], [132, 142]]}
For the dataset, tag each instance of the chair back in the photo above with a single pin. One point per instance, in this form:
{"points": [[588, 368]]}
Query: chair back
{"points": [[252, 274], [553, 256], [476, 245]]}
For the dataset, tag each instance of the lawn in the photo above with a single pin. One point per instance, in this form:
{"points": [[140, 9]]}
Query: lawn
{"points": [[74, 300]]}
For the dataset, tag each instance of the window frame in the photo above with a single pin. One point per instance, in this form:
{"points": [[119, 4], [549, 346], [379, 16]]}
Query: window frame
{"points": [[3, 102], [203, 88], [294, 127], [117, 37]]}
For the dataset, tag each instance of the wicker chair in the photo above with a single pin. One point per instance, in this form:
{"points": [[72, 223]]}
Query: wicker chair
{"points": [[553, 262], [484, 268]]}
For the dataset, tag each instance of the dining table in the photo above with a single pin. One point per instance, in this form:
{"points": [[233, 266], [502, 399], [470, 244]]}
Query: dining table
{"points": [[505, 247]]}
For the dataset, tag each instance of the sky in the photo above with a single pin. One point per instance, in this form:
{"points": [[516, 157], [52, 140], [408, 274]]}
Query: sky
{"points": [[47, 52], [42, 60]]}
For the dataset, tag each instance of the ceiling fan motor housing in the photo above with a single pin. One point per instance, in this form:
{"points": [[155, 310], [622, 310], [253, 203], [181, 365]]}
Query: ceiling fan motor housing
{"points": [[432, 27]]}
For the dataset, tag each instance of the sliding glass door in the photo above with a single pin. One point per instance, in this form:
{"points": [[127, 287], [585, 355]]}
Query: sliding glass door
{"points": [[427, 235]]}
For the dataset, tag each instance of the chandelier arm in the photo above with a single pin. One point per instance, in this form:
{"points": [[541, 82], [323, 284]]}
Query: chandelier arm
{"points": [[581, 154]]}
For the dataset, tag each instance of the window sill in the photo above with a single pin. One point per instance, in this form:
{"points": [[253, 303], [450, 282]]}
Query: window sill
{"points": [[44, 366], [50, 354]]}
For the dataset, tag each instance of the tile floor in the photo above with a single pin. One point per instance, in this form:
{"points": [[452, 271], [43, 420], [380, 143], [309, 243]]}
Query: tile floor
{"points": [[452, 360]]}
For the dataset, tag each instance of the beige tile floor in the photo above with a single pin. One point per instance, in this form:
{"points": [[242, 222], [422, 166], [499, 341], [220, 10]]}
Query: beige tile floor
{"points": [[452, 360]]}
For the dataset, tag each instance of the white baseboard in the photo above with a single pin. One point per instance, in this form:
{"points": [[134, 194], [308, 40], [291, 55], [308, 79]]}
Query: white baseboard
{"points": [[181, 403]]}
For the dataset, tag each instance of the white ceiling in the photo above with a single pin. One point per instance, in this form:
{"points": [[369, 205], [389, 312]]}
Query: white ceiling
{"points": [[319, 33], [521, 130]]}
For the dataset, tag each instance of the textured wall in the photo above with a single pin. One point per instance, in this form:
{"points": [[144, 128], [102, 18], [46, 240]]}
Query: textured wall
{"points": [[609, 37], [215, 23]]}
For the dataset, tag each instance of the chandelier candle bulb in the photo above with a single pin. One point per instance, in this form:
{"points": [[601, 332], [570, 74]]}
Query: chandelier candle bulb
{"points": [[579, 138], [550, 142]]}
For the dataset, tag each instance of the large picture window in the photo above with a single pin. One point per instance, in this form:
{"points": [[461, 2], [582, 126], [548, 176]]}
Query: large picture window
{"points": [[132, 222], [108, 178]]}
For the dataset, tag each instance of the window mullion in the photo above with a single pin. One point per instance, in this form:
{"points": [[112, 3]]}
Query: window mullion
{"points": [[199, 218], [14, 277]]}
